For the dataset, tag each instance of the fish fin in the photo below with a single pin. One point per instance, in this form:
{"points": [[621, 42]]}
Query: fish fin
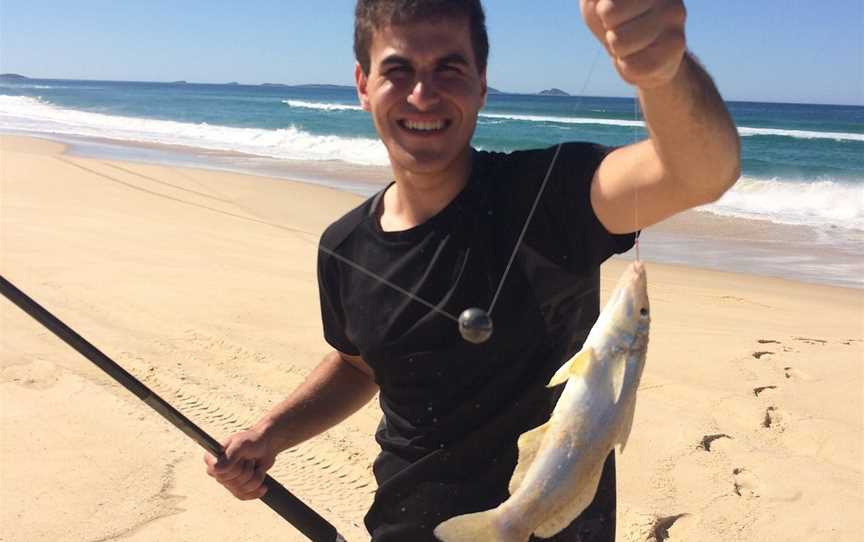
{"points": [[627, 425], [575, 366], [616, 378], [630, 409], [529, 443], [467, 527], [565, 514]]}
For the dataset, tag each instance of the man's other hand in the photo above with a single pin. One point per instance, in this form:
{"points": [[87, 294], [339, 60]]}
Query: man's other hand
{"points": [[242, 468]]}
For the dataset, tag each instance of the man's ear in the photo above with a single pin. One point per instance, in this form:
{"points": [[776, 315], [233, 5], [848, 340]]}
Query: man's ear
{"points": [[361, 79], [483, 87]]}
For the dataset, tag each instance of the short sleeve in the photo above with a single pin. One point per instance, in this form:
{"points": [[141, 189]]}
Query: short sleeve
{"points": [[332, 313], [589, 240]]}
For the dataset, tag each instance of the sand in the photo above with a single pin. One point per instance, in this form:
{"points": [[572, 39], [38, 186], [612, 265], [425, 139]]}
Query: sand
{"points": [[202, 284]]}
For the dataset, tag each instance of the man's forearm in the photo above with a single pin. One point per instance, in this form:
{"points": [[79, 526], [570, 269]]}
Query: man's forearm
{"points": [[331, 393], [692, 132]]}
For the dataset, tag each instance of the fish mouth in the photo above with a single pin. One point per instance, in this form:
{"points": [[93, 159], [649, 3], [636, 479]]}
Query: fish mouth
{"points": [[634, 281]]}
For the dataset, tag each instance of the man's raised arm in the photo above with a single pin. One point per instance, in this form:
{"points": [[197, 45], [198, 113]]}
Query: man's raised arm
{"points": [[693, 155]]}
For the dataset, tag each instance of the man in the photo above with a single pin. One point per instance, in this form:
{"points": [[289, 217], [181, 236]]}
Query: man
{"points": [[445, 231]]}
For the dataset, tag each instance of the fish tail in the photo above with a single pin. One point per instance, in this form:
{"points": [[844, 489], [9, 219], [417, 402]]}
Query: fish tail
{"points": [[468, 528]]}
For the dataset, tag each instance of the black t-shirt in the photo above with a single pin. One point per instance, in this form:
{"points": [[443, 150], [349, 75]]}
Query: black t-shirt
{"points": [[453, 410]]}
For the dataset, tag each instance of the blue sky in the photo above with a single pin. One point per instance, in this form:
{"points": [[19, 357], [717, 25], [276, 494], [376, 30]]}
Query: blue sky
{"points": [[768, 50]]}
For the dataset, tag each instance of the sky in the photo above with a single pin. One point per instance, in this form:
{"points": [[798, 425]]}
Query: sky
{"points": [[763, 50]]}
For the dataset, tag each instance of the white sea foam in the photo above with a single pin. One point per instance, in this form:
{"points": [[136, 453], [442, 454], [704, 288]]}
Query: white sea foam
{"points": [[823, 203], [562, 120], [322, 105], [33, 115], [744, 131]]}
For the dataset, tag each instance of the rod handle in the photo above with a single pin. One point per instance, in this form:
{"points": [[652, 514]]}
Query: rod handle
{"points": [[295, 512]]}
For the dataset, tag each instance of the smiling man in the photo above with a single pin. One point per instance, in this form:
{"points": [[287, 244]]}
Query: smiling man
{"points": [[445, 230]]}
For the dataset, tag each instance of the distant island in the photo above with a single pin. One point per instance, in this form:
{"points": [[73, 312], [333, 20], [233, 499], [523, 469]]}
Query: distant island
{"points": [[179, 83], [553, 92], [232, 83], [13, 77]]}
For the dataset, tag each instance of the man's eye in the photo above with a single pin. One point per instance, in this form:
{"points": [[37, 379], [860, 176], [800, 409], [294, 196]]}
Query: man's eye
{"points": [[398, 70]]}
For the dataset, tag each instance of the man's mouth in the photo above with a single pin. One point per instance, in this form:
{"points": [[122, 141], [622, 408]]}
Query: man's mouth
{"points": [[425, 126]]}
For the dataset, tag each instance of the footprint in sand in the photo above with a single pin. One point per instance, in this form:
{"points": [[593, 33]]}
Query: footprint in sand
{"points": [[705, 444], [761, 353], [650, 528], [774, 341], [774, 419], [808, 340], [794, 374], [746, 484], [661, 526], [760, 389]]}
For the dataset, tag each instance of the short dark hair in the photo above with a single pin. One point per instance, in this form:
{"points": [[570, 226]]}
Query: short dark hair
{"points": [[372, 15]]}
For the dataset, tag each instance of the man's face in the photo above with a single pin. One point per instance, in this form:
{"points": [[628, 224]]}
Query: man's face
{"points": [[424, 92]]}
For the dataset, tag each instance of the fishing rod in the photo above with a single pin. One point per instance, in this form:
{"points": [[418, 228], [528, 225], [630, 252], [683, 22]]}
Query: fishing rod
{"points": [[292, 509]]}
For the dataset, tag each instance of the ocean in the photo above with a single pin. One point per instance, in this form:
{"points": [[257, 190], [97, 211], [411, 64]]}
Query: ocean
{"points": [[803, 164]]}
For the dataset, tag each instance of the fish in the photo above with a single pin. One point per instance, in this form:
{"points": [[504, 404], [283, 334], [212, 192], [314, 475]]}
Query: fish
{"points": [[560, 462]]}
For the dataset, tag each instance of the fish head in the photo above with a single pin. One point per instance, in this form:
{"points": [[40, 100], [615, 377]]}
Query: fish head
{"points": [[628, 309]]}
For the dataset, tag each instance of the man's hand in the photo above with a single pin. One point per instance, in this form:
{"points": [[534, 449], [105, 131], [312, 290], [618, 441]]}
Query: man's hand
{"points": [[242, 468], [645, 38]]}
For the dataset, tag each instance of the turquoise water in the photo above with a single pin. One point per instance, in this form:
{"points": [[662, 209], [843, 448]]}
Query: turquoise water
{"points": [[802, 163]]}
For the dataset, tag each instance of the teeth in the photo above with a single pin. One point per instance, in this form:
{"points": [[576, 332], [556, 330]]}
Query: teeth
{"points": [[424, 126]]}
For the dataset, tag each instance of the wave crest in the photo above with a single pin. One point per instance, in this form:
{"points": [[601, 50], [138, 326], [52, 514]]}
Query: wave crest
{"points": [[23, 113]]}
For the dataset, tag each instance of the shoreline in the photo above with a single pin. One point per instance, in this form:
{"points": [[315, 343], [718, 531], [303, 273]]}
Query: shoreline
{"points": [[694, 238]]}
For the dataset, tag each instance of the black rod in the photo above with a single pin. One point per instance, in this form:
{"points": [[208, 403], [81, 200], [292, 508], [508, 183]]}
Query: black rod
{"points": [[292, 509]]}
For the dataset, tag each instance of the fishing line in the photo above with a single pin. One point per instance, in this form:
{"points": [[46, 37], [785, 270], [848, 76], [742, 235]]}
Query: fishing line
{"points": [[636, 186], [257, 219], [381, 279], [524, 229], [581, 96]]}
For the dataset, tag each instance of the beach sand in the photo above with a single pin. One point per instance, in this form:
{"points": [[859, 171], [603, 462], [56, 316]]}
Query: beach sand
{"points": [[202, 284]]}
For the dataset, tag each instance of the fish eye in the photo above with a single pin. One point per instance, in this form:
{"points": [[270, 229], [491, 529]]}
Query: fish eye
{"points": [[643, 311]]}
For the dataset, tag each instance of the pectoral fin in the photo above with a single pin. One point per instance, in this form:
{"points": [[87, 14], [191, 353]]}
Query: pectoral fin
{"points": [[627, 425], [529, 443], [574, 367]]}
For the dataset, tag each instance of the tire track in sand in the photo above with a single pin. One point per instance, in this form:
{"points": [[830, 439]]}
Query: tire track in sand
{"points": [[330, 477]]}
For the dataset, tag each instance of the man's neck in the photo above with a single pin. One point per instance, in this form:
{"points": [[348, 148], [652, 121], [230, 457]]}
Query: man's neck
{"points": [[416, 197]]}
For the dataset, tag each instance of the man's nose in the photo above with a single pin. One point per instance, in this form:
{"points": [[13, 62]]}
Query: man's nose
{"points": [[424, 95]]}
